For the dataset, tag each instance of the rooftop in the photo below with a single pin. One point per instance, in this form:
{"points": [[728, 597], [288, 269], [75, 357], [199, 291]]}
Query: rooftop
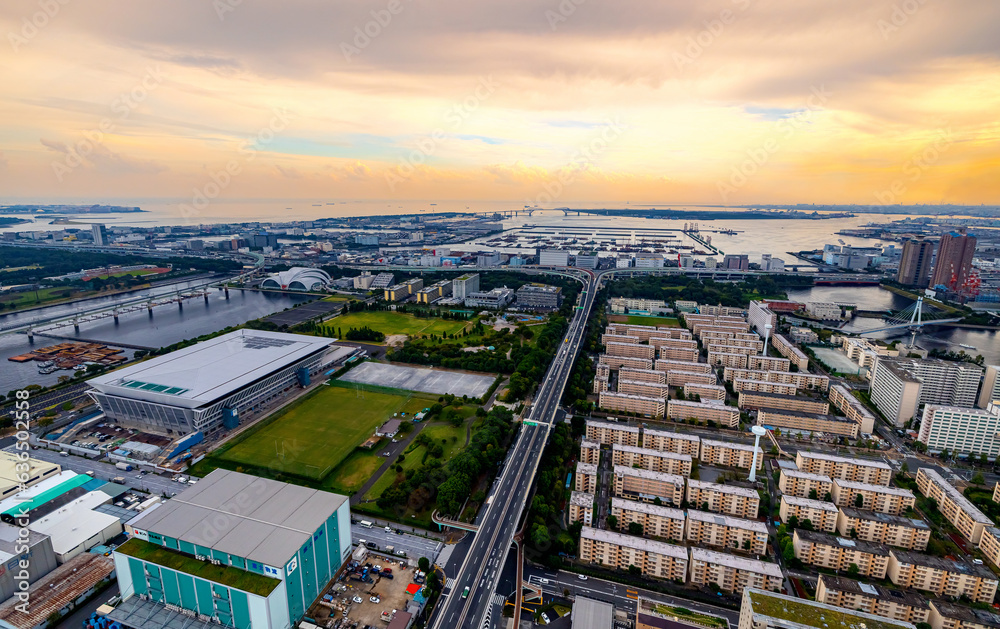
{"points": [[879, 489], [9, 472], [841, 459], [900, 597], [806, 475], [581, 499], [647, 508], [584, 443], [725, 489], [956, 496], [638, 543], [586, 468], [612, 426], [783, 413], [647, 452], [812, 504], [727, 520], [878, 516], [54, 591], [590, 614], [825, 539], [712, 443], [624, 470], [790, 612], [944, 564], [735, 561], [967, 614], [632, 397], [669, 434], [715, 405], [255, 518], [209, 370]]}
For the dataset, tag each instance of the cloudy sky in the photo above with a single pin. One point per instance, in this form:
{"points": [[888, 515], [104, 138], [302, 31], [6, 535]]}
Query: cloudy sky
{"points": [[659, 101]]}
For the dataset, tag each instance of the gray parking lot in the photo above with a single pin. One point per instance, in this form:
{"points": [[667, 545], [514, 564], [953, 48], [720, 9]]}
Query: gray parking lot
{"points": [[420, 379]]}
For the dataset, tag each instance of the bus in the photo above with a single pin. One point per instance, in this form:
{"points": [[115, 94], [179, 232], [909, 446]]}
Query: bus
{"points": [[366, 524]]}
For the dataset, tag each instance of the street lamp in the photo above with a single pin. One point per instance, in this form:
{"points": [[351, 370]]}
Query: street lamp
{"points": [[758, 431]]}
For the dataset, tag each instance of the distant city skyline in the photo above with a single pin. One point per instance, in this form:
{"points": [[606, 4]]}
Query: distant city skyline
{"points": [[722, 102]]}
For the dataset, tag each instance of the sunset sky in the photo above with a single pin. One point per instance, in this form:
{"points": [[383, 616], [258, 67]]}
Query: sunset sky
{"points": [[660, 101]]}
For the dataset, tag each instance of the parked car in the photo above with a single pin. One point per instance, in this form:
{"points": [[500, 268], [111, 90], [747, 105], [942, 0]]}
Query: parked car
{"points": [[358, 599], [375, 599]]}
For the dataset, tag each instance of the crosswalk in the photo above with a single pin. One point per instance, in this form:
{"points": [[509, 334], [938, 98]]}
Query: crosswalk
{"points": [[498, 599]]}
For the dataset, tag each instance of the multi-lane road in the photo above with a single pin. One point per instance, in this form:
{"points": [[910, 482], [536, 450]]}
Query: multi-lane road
{"points": [[483, 564]]}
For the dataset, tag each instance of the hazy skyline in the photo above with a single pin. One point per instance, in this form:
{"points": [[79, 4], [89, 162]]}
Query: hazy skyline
{"points": [[729, 101]]}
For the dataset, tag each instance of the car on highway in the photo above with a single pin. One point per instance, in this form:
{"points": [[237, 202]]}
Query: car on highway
{"points": [[465, 594], [582, 577]]}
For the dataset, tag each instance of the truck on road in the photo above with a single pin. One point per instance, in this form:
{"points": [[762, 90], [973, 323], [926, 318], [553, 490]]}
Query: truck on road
{"points": [[125, 467]]}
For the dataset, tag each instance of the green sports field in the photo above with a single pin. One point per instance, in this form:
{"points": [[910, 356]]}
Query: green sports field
{"points": [[388, 322], [315, 434]]}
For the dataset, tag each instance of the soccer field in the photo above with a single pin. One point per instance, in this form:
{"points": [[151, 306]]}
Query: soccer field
{"points": [[315, 434], [388, 322]]}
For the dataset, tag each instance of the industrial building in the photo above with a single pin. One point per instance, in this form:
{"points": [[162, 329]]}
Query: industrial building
{"points": [[209, 385], [247, 551], [13, 479]]}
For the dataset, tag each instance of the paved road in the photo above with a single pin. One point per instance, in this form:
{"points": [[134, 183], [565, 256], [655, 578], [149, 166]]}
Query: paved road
{"points": [[413, 545], [394, 450], [150, 483], [482, 567]]}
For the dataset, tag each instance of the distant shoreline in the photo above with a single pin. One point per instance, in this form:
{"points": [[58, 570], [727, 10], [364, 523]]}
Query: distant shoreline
{"points": [[58, 210]]}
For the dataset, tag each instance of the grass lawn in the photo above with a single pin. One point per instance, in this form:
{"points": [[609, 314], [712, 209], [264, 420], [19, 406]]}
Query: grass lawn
{"points": [[315, 434], [640, 320], [353, 472], [389, 322], [454, 438]]}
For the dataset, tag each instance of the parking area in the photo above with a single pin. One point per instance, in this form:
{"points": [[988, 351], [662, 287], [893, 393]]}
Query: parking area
{"points": [[439, 381], [368, 592], [305, 312]]}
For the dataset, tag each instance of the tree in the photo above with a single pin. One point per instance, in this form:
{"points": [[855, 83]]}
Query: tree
{"points": [[978, 479], [793, 522], [904, 468], [813, 494], [788, 553], [746, 544], [859, 501], [827, 497], [634, 528], [853, 570], [424, 564], [612, 522], [634, 570], [807, 525]]}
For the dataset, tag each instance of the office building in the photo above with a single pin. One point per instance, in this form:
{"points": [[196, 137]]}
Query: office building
{"points": [[488, 259], [553, 257], [915, 262], [464, 285], [614, 550], [971, 431], [654, 460], [648, 260], [899, 385], [667, 441], [100, 233], [724, 531], [775, 401], [991, 386], [851, 407], [821, 514], [493, 299], [770, 610], [590, 452], [586, 478], [637, 404], [882, 528], [585, 260], [539, 297], [728, 454], [721, 414], [838, 553], [656, 521], [891, 500], [805, 484], [741, 502], [647, 486], [872, 598], [954, 259], [733, 573], [846, 468], [736, 262], [581, 508], [209, 385], [942, 576], [792, 421], [248, 551], [954, 506]]}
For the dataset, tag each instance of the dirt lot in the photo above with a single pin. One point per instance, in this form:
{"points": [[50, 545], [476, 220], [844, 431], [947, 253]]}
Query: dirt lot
{"points": [[392, 593]]}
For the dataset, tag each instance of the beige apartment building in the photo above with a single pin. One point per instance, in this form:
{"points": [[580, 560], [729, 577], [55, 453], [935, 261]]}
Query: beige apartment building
{"points": [[733, 573], [585, 479], [617, 362], [646, 486], [768, 363], [676, 343], [838, 553], [609, 433], [710, 336], [630, 350], [607, 337], [945, 615], [882, 528], [787, 348], [822, 515], [723, 311], [996, 492], [657, 521], [858, 470], [806, 422], [638, 404], [955, 507], [775, 401], [989, 544], [681, 443], [646, 332], [721, 414], [800, 379], [904, 605], [590, 452], [803, 484], [581, 508], [642, 375], [756, 343], [689, 354], [654, 559], [647, 389], [721, 347], [601, 383], [942, 576], [707, 392], [741, 502], [729, 454], [727, 359], [891, 500], [602, 370], [725, 531], [771, 610], [736, 328], [760, 386], [686, 366], [653, 460], [678, 378], [852, 408]]}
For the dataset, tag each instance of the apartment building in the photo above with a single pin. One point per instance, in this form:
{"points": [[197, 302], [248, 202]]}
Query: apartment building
{"points": [[807, 422], [709, 336], [646, 332], [866, 352], [586, 479], [770, 610], [653, 460], [656, 521], [707, 392], [729, 454], [761, 386], [617, 362], [602, 383], [838, 553], [602, 370], [622, 305], [701, 327], [721, 414], [972, 431], [945, 615], [942, 576], [678, 378], [883, 528], [799, 379], [989, 544], [722, 311], [899, 385], [760, 316], [754, 343], [662, 342], [686, 366], [638, 404], [787, 348], [630, 350], [776, 401], [904, 605], [822, 515], [991, 386], [581, 508], [646, 389], [852, 408], [768, 363], [733, 573], [724, 531], [607, 337], [681, 443], [996, 492], [955, 507], [590, 452], [803, 484], [654, 559], [642, 375], [719, 347], [891, 500], [609, 433], [725, 359], [646, 486], [741, 502], [846, 468], [677, 353], [894, 391]]}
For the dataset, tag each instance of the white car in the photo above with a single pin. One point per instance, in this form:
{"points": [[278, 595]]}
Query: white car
{"points": [[358, 599], [545, 618], [582, 577], [375, 599]]}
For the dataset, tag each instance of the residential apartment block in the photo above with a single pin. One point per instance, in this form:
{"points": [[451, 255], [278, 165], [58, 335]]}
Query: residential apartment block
{"points": [[707, 392], [585, 479], [729, 454], [838, 553], [991, 386], [654, 559], [653, 460], [702, 411], [787, 348], [803, 484], [768, 363], [989, 544], [642, 375], [882, 528], [904, 605], [822, 515], [846, 468], [807, 422], [581, 508], [942, 576], [617, 362], [759, 316], [898, 385], [647, 486], [741, 502], [733, 573], [721, 347], [955, 507], [972, 431], [727, 359], [781, 388], [715, 529], [607, 337], [679, 378], [647, 389], [677, 353], [850, 406], [891, 500], [602, 383], [590, 452], [799, 379], [630, 350], [638, 404], [770, 610], [681, 443], [775, 401], [657, 521], [945, 615], [608, 433], [686, 366]]}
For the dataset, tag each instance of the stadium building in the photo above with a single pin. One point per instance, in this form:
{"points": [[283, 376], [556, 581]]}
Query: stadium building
{"points": [[208, 386], [303, 279], [235, 549]]}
